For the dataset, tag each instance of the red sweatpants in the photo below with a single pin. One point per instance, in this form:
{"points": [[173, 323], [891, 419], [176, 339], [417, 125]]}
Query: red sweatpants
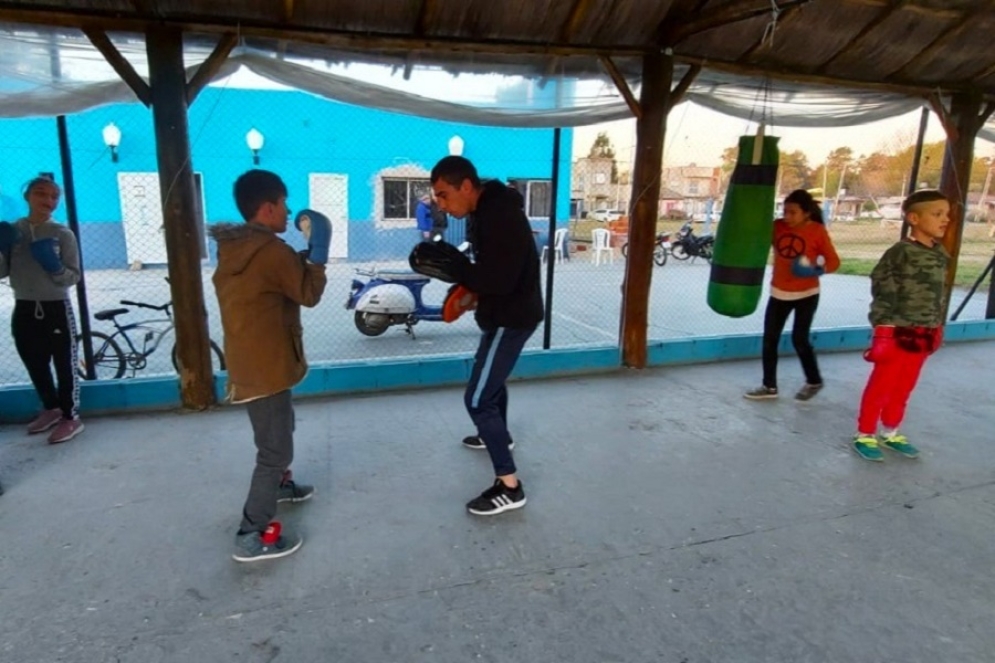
{"points": [[888, 390]]}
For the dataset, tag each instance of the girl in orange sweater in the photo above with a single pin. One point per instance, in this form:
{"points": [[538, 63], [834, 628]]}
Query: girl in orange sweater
{"points": [[802, 253]]}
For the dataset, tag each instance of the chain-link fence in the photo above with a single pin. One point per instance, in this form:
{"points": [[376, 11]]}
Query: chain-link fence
{"points": [[367, 171]]}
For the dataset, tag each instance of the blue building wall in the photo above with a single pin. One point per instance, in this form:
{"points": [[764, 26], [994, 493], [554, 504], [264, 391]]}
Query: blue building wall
{"points": [[303, 134]]}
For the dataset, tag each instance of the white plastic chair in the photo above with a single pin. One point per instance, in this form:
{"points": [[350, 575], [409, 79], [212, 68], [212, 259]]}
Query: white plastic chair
{"points": [[602, 243], [559, 245]]}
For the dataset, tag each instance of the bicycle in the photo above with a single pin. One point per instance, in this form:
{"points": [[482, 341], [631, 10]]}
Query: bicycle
{"points": [[110, 361]]}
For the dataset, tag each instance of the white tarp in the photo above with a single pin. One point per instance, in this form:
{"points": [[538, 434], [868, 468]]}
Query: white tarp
{"points": [[47, 73]]}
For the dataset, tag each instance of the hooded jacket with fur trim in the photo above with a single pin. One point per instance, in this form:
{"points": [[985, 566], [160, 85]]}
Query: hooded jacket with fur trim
{"points": [[261, 284]]}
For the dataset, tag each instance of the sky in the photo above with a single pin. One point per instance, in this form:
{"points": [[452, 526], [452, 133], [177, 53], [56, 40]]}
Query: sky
{"points": [[698, 135]]}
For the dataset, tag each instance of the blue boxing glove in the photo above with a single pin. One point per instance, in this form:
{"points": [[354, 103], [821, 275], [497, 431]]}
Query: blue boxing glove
{"points": [[44, 252], [9, 236], [317, 230], [803, 268]]}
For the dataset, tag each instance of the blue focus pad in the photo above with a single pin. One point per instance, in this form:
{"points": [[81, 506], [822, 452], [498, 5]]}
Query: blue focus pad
{"points": [[317, 230], [802, 268], [43, 251]]}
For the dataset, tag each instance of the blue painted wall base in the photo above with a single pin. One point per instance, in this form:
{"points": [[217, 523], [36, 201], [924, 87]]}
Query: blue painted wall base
{"points": [[19, 403]]}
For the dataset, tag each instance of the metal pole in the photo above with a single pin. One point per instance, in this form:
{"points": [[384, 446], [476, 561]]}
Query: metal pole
{"points": [[916, 159], [547, 327], [69, 189], [73, 219]]}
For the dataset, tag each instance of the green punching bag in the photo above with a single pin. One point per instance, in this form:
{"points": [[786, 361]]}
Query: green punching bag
{"points": [[742, 241]]}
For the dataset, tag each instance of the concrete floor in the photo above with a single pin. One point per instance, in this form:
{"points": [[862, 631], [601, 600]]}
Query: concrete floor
{"points": [[668, 520]]}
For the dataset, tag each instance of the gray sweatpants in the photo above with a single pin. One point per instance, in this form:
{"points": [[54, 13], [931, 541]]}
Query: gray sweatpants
{"points": [[272, 421]]}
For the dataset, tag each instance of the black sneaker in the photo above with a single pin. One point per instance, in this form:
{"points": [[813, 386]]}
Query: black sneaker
{"points": [[808, 391], [272, 543], [293, 492], [497, 499], [475, 442]]}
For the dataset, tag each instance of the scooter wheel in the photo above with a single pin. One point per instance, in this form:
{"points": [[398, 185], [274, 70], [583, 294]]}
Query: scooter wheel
{"points": [[677, 250], [371, 324]]}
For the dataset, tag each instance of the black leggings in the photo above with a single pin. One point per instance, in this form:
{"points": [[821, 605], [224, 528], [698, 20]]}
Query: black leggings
{"points": [[45, 334], [774, 321]]}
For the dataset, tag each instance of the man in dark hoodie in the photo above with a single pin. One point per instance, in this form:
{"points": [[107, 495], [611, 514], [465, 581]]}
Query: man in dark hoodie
{"points": [[505, 276], [261, 284]]}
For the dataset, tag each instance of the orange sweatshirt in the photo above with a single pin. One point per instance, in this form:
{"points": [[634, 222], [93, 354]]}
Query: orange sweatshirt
{"points": [[810, 240]]}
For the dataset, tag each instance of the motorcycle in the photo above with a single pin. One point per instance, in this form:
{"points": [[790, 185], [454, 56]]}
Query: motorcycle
{"points": [[688, 245], [660, 249], [391, 297]]}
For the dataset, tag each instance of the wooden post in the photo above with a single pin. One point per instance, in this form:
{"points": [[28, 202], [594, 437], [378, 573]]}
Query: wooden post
{"points": [[168, 84], [964, 120], [658, 74]]}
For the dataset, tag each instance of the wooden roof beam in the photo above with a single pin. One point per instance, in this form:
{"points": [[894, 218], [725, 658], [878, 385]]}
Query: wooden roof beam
{"points": [[887, 12], [569, 28], [677, 94], [288, 11], [421, 24], [209, 67], [102, 43], [936, 45], [677, 31], [623, 86]]}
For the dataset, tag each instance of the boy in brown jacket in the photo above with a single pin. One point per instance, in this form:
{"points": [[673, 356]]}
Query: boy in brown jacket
{"points": [[261, 284]]}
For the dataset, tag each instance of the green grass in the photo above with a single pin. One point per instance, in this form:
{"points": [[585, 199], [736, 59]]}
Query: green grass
{"points": [[967, 272]]}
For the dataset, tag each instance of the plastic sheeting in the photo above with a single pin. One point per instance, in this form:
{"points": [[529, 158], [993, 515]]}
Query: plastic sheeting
{"points": [[54, 72]]}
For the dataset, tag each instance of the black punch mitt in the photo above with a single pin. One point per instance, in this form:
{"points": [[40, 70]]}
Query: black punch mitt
{"points": [[439, 260]]}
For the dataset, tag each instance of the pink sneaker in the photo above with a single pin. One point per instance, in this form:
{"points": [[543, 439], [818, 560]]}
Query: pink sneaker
{"points": [[44, 421], [66, 430]]}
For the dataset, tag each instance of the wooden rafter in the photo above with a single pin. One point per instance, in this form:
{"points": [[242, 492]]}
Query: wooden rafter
{"points": [[209, 67], [678, 31], [577, 15], [677, 94], [623, 86], [568, 30], [144, 6], [121, 65], [936, 45], [288, 11], [886, 12], [426, 10], [983, 74]]}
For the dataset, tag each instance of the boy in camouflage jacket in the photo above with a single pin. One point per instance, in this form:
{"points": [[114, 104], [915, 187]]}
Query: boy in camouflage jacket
{"points": [[907, 287]]}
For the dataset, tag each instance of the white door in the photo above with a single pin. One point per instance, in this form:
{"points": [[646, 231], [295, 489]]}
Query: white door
{"points": [[329, 194], [141, 213]]}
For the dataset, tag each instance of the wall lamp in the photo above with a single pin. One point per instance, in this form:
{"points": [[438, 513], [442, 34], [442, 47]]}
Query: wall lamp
{"points": [[456, 146], [255, 141], [112, 138]]}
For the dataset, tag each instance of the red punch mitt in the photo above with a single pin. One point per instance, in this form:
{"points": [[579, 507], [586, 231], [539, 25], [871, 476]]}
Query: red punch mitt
{"points": [[882, 345], [458, 301]]}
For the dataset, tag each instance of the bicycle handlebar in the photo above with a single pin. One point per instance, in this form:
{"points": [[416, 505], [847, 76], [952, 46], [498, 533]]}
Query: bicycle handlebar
{"points": [[163, 307]]}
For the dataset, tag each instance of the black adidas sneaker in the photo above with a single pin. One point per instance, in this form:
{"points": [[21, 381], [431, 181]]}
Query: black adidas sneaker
{"points": [[497, 499]]}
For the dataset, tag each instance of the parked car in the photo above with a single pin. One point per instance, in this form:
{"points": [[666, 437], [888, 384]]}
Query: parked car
{"points": [[606, 215]]}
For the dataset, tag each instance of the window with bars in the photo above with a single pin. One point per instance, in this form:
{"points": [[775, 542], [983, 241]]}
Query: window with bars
{"points": [[401, 195]]}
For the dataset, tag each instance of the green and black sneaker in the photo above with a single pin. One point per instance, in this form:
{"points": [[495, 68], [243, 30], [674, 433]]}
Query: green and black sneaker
{"points": [[900, 445], [867, 447]]}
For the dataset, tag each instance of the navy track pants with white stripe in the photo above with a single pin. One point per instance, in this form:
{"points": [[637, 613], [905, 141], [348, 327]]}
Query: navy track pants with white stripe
{"points": [[486, 395]]}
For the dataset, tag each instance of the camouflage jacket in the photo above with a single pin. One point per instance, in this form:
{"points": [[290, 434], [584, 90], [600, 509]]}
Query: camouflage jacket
{"points": [[907, 286]]}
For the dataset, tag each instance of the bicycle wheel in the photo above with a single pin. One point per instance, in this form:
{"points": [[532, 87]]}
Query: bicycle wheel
{"points": [[108, 360], [217, 358]]}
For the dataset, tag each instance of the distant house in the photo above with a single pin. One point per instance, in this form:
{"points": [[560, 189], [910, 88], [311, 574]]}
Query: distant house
{"points": [[697, 186], [591, 186]]}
